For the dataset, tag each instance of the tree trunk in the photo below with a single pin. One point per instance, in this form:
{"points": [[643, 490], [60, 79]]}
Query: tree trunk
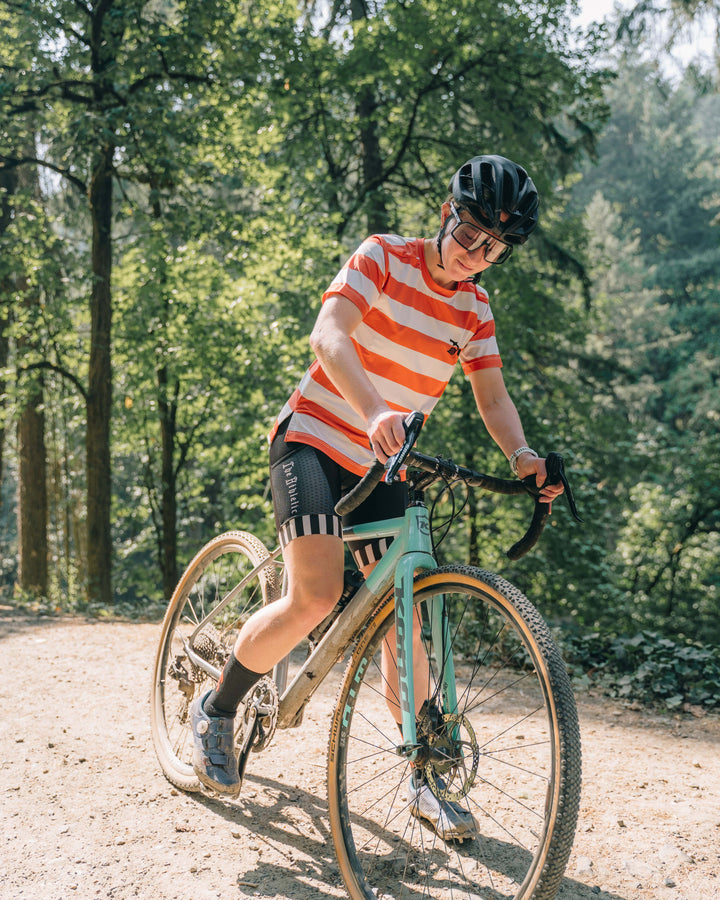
{"points": [[375, 203], [168, 497], [4, 355], [33, 498], [8, 185], [377, 214], [32, 490], [99, 489]]}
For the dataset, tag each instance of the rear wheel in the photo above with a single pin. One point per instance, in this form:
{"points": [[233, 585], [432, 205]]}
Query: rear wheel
{"points": [[509, 754], [210, 588]]}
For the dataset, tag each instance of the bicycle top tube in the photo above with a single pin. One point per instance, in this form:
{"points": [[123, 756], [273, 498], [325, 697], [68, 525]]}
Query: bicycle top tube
{"points": [[409, 549], [370, 530], [411, 537]]}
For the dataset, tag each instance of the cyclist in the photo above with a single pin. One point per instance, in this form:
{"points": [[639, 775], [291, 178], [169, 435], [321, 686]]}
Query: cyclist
{"points": [[393, 324]]}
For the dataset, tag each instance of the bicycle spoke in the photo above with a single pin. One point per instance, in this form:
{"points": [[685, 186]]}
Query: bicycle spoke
{"points": [[217, 592]]}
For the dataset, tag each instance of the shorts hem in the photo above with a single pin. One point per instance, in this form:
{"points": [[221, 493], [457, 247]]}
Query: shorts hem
{"points": [[300, 526]]}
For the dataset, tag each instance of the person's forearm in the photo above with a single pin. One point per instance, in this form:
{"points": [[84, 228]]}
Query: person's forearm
{"points": [[335, 350], [503, 423], [337, 356]]}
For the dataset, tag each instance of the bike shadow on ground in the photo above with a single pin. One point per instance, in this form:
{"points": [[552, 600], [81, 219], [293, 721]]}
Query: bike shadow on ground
{"points": [[291, 826], [292, 823]]}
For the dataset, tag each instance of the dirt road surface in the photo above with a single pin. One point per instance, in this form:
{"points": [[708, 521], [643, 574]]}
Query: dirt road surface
{"points": [[86, 812]]}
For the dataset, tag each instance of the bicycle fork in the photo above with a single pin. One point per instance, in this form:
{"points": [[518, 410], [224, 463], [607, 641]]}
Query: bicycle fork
{"points": [[417, 536]]}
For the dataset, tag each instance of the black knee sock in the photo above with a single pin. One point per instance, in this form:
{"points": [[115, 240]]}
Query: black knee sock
{"points": [[235, 681]]}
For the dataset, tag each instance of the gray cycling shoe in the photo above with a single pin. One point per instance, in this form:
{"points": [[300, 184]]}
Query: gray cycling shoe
{"points": [[449, 820], [214, 759]]}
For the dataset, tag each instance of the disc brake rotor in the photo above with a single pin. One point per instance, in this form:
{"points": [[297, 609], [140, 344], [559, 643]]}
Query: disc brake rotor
{"points": [[452, 744]]}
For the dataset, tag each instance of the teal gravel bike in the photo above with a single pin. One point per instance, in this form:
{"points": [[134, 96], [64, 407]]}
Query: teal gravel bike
{"points": [[497, 732]]}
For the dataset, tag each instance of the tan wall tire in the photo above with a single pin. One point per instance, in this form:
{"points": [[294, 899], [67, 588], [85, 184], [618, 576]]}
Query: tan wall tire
{"points": [[513, 687], [213, 572]]}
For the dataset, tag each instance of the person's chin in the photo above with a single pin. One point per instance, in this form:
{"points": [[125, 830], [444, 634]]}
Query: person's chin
{"points": [[465, 272]]}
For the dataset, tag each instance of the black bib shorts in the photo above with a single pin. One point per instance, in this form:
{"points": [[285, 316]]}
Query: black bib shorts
{"points": [[306, 484]]}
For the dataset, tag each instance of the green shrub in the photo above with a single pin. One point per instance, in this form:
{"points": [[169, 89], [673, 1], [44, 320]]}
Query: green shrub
{"points": [[646, 667]]}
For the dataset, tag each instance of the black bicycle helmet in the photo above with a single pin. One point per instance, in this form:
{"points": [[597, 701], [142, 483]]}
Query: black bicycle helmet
{"points": [[490, 185]]}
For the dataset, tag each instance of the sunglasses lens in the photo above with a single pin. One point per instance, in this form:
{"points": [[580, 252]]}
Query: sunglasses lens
{"points": [[469, 237], [472, 238], [498, 252]]}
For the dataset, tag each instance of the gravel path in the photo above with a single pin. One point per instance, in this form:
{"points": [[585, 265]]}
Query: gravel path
{"points": [[86, 812]]}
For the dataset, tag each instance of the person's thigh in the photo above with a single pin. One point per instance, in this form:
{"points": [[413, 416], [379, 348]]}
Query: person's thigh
{"points": [[305, 487]]}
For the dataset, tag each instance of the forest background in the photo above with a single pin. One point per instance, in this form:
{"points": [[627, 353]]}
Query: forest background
{"points": [[179, 182]]}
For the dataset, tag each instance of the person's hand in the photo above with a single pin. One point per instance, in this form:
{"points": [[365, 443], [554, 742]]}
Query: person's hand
{"points": [[532, 465], [386, 431]]}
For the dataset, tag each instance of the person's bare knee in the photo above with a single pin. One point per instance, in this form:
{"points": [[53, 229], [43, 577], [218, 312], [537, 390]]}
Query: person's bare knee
{"points": [[315, 576]]}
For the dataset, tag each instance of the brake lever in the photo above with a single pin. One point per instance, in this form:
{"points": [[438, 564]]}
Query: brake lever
{"points": [[555, 467], [413, 423]]}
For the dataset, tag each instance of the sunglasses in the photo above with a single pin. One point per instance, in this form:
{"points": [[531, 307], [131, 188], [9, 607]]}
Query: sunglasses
{"points": [[471, 237]]}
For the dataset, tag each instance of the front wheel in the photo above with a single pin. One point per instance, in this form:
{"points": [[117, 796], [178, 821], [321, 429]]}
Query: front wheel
{"points": [[215, 590], [508, 754]]}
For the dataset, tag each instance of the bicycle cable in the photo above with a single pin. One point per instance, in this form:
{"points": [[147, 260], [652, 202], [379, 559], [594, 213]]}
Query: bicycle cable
{"points": [[446, 524]]}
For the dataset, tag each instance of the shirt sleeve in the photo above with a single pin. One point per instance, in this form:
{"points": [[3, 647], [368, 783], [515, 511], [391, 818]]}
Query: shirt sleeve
{"points": [[481, 351], [362, 278]]}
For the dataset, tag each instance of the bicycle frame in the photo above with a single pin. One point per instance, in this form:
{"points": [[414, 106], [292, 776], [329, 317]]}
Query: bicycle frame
{"points": [[502, 746], [410, 551]]}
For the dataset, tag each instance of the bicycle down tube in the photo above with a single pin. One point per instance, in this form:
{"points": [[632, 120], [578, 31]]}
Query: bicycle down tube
{"points": [[409, 552]]}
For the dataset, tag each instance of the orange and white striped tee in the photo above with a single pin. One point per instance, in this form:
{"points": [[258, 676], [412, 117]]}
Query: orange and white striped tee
{"points": [[412, 334]]}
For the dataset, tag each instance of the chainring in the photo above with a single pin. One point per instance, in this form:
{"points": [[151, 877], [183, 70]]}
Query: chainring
{"points": [[263, 697]]}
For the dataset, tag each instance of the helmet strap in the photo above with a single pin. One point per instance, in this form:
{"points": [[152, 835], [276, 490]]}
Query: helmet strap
{"points": [[439, 240]]}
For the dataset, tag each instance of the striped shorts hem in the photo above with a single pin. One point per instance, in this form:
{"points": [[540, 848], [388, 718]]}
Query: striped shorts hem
{"points": [[299, 526], [370, 553]]}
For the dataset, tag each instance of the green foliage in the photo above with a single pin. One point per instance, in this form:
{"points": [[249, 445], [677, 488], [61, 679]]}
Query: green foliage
{"points": [[653, 205], [74, 604], [424, 87], [647, 667], [252, 149]]}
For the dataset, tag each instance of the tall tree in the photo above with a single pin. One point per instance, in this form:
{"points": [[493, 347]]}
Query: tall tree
{"points": [[389, 98], [33, 499], [97, 71], [655, 208], [8, 185]]}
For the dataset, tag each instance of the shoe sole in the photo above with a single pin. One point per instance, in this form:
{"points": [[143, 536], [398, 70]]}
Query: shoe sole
{"points": [[217, 788], [207, 782], [466, 835]]}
